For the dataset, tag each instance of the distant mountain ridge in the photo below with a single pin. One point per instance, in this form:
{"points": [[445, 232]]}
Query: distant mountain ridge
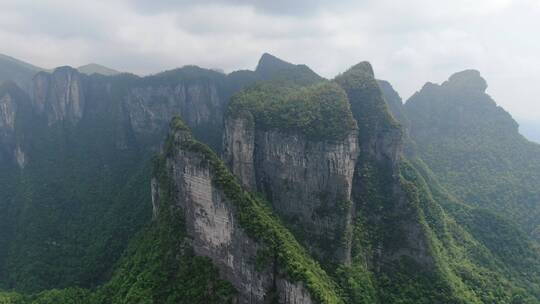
{"points": [[22, 72], [17, 71]]}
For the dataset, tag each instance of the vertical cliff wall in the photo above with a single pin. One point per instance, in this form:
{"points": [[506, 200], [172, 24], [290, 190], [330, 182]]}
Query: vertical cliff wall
{"points": [[307, 182], [60, 95], [14, 107], [306, 177], [236, 231]]}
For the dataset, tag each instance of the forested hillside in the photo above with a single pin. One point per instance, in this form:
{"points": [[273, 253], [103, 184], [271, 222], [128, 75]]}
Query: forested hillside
{"points": [[473, 146]]}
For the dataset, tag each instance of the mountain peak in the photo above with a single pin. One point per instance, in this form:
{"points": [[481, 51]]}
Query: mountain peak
{"points": [[467, 79], [270, 63], [272, 68], [364, 67]]}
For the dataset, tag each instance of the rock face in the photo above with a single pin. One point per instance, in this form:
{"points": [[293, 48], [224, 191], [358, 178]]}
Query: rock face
{"points": [[12, 100], [216, 233], [150, 108], [308, 182], [239, 150], [59, 95], [8, 108], [138, 107]]}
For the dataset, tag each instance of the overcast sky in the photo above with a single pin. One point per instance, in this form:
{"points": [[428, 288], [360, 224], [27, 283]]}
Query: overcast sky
{"points": [[408, 42]]}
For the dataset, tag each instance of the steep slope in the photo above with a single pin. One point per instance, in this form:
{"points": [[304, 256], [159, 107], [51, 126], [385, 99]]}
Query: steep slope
{"points": [[392, 236], [395, 104], [505, 256], [474, 148], [17, 71]]}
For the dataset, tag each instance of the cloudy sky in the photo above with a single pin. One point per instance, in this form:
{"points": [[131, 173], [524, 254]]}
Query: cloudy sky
{"points": [[408, 42]]}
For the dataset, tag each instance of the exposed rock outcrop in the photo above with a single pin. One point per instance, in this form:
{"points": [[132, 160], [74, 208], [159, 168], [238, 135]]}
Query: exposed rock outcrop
{"points": [[8, 108], [12, 103], [211, 220], [308, 182], [306, 178], [150, 108], [60, 95]]}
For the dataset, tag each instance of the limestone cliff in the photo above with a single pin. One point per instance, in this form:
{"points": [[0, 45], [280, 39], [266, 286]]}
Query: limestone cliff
{"points": [[199, 100], [306, 178], [60, 95], [221, 219], [315, 175], [12, 106]]}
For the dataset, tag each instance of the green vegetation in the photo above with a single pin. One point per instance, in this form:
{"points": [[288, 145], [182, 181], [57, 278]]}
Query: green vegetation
{"points": [[320, 112], [466, 257], [67, 217], [475, 151], [366, 102]]}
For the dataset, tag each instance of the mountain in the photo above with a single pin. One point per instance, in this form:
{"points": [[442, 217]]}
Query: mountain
{"points": [[94, 68], [17, 71], [75, 159], [269, 186], [475, 149]]}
